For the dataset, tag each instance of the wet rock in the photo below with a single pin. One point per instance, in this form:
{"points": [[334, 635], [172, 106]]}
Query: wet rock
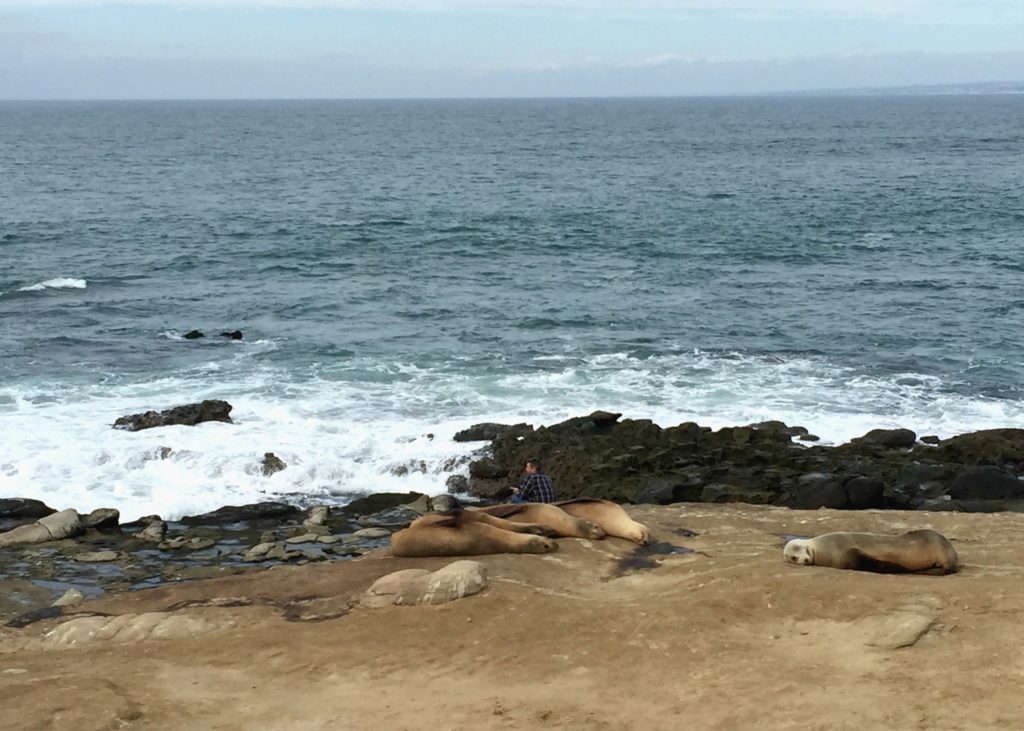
{"points": [[990, 446], [254, 513], [443, 503], [154, 531], [421, 505], [101, 518], [187, 415], [193, 335], [97, 556], [259, 551], [303, 538], [487, 469], [193, 543], [69, 598], [272, 464], [317, 515], [488, 431], [457, 483], [234, 334], [65, 524], [370, 533], [930, 439], [889, 438], [380, 501], [390, 519], [20, 508]]}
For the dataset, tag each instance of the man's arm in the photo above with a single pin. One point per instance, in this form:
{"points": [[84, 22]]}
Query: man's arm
{"points": [[527, 489]]}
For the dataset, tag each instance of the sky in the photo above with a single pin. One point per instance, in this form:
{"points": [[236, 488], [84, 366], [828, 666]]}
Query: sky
{"points": [[242, 49]]}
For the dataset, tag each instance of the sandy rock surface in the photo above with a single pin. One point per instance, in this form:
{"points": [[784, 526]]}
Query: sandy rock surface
{"points": [[599, 635]]}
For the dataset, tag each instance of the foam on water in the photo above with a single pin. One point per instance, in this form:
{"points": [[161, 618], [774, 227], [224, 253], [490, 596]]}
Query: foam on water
{"points": [[58, 283], [352, 428]]}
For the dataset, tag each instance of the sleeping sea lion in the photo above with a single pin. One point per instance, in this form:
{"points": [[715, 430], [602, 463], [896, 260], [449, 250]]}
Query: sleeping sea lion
{"points": [[919, 551], [609, 516], [560, 523], [457, 533]]}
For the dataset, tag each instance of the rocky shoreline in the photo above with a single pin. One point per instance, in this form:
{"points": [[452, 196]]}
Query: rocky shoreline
{"points": [[49, 557]]}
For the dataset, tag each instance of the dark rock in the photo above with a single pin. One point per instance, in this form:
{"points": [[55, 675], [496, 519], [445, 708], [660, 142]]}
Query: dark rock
{"points": [[599, 422], [193, 335], [272, 464], [379, 501], [188, 415], [23, 508], [889, 438], [721, 493], [256, 512], [489, 431], [101, 518], [865, 492], [457, 483], [986, 483], [809, 438], [930, 439], [234, 335], [487, 469], [991, 446], [822, 493]]}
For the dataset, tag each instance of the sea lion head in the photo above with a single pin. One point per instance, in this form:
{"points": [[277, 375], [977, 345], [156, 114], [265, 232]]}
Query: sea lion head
{"points": [[799, 551], [591, 530], [638, 533]]}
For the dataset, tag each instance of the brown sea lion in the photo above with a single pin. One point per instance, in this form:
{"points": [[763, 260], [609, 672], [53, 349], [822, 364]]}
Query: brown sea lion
{"points": [[919, 551], [457, 533], [609, 516], [560, 523]]}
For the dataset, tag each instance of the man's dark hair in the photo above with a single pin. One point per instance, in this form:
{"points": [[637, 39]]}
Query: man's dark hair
{"points": [[535, 462]]}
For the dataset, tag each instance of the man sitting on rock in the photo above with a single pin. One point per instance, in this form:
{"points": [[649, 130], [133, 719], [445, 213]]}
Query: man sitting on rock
{"points": [[537, 488]]}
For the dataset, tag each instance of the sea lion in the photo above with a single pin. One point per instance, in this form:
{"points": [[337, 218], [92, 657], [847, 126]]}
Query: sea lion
{"points": [[918, 551], [609, 516], [560, 523], [458, 533]]}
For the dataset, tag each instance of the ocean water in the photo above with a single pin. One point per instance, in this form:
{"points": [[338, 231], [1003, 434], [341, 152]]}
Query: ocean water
{"points": [[404, 269]]}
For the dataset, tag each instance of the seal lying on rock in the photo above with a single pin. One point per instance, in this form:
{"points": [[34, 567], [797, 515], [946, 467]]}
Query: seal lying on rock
{"points": [[919, 551], [468, 533], [609, 516], [560, 523]]}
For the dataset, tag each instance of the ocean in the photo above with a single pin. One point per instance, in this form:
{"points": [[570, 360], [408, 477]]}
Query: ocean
{"points": [[403, 269]]}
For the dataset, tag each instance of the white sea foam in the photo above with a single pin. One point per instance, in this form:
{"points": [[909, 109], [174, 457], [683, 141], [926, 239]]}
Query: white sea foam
{"points": [[59, 283], [346, 429]]}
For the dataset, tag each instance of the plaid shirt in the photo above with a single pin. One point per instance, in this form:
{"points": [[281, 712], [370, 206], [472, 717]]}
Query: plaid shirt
{"points": [[537, 488]]}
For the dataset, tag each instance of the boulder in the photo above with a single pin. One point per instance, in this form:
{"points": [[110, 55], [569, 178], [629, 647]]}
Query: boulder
{"points": [[419, 586], [253, 513], [380, 501], [102, 518], [272, 464], [193, 335], [188, 415], [488, 431], [234, 334], [20, 508], [65, 524], [888, 438], [986, 482], [488, 469]]}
